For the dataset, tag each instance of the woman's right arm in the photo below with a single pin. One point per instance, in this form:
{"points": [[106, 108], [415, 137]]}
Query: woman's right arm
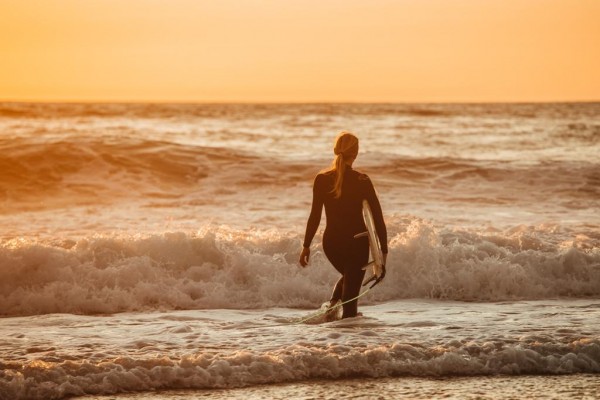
{"points": [[313, 221]]}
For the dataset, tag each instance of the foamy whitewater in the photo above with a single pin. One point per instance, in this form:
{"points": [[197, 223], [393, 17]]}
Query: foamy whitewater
{"points": [[149, 247]]}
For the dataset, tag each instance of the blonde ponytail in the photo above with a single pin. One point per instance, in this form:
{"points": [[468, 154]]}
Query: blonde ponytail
{"points": [[346, 146]]}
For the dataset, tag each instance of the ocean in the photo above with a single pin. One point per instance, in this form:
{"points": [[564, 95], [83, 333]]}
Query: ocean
{"points": [[151, 251]]}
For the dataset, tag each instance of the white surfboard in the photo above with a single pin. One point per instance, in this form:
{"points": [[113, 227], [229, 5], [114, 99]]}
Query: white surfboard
{"points": [[374, 245]]}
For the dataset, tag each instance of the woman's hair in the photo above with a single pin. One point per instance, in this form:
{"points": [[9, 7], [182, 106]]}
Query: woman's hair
{"points": [[345, 148]]}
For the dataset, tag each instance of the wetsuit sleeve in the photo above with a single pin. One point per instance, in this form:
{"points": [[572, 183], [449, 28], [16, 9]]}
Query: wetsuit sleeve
{"points": [[371, 197], [315, 213]]}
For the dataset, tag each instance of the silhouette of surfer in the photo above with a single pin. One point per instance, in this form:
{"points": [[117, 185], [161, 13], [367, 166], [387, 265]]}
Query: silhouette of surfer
{"points": [[341, 190]]}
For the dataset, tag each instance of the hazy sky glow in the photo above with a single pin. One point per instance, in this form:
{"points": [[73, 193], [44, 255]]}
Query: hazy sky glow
{"points": [[300, 50]]}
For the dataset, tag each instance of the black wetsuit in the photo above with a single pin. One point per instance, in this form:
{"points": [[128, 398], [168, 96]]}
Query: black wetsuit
{"points": [[344, 220]]}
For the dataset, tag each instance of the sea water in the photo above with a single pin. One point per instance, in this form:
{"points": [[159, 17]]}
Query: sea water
{"points": [[149, 247]]}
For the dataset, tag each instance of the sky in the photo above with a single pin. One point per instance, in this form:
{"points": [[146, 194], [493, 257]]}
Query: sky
{"points": [[300, 50]]}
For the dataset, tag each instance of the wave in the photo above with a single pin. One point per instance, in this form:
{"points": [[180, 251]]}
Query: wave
{"points": [[37, 174], [220, 267], [57, 379], [82, 170]]}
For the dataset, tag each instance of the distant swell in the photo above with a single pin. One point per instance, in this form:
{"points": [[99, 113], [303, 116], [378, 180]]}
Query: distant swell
{"points": [[224, 268], [84, 170], [51, 174]]}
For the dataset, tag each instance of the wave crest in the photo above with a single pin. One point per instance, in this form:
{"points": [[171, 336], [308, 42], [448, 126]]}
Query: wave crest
{"points": [[88, 170], [225, 268], [42, 380]]}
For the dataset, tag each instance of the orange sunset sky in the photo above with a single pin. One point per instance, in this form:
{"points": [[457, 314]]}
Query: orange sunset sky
{"points": [[300, 50]]}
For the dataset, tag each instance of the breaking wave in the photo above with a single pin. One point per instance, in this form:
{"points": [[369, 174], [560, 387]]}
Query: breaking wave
{"points": [[219, 267], [53, 380]]}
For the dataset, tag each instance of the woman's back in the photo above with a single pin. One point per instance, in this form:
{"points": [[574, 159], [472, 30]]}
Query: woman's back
{"points": [[344, 214]]}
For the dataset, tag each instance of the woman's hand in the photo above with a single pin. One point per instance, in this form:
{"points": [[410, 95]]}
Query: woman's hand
{"points": [[382, 270], [304, 256], [384, 264]]}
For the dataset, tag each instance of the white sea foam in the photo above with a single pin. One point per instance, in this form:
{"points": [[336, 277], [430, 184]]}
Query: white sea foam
{"points": [[53, 380], [227, 268], [63, 355]]}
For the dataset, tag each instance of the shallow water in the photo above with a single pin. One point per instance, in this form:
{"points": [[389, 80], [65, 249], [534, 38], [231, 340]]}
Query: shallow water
{"points": [[55, 355], [578, 386]]}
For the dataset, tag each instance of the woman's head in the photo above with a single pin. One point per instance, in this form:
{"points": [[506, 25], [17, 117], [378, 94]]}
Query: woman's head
{"points": [[345, 150], [346, 146]]}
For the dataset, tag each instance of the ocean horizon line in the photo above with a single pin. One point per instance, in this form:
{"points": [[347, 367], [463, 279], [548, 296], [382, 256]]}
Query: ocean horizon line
{"points": [[288, 102]]}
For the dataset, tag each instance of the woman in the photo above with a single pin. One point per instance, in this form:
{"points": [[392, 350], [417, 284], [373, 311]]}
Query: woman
{"points": [[341, 190]]}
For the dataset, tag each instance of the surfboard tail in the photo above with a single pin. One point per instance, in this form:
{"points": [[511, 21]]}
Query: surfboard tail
{"points": [[377, 274], [377, 269]]}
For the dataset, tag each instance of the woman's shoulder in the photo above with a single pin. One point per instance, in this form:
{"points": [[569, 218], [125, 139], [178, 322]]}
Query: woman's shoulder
{"points": [[325, 174], [362, 176]]}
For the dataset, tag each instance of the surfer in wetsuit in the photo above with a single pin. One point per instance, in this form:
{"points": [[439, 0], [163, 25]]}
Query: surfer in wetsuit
{"points": [[341, 190]]}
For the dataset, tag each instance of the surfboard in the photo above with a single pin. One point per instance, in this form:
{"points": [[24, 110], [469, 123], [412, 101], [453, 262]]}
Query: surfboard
{"points": [[374, 245]]}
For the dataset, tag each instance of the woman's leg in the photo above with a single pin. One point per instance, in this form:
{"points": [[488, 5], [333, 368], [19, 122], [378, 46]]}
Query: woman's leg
{"points": [[348, 257], [351, 288], [337, 291]]}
